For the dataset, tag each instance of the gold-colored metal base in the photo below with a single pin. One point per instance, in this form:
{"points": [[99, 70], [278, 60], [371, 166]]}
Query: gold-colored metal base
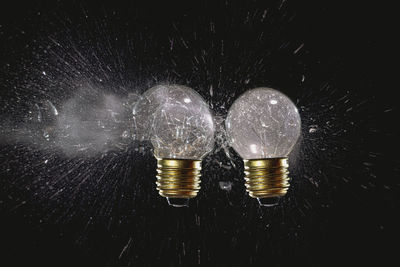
{"points": [[266, 178], [178, 178]]}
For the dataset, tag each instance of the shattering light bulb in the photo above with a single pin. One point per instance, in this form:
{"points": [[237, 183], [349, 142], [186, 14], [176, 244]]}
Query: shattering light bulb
{"points": [[263, 125], [182, 133]]}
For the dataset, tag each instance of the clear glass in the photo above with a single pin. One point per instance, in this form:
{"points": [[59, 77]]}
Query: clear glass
{"points": [[145, 108], [263, 123], [177, 121]]}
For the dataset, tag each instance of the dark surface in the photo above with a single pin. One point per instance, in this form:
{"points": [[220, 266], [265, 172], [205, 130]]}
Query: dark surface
{"points": [[344, 198]]}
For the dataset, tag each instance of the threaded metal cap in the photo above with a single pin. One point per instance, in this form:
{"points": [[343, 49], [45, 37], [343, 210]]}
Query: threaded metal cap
{"points": [[178, 178], [266, 178]]}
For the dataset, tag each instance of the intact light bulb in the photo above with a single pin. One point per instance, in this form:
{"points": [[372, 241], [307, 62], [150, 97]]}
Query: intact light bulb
{"points": [[182, 133], [263, 126]]}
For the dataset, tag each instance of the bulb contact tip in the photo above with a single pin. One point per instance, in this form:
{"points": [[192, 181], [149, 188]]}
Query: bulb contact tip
{"points": [[268, 201], [178, 202], [267, 179], [178, 180]]}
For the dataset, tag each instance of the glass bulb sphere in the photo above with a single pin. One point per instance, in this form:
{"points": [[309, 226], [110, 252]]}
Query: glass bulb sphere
{"points": [[145, 109], [181, 129], [264, 124]]}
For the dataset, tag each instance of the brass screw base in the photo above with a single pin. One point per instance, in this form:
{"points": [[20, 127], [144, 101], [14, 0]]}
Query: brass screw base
{"points": [[178, 178], [266, 178]]}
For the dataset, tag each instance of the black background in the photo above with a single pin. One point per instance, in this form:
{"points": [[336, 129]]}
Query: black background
{"points": [[342, 205]]}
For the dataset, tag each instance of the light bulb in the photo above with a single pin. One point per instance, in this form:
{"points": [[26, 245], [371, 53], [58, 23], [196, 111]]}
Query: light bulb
{"points": [[182, 133], [263, 125]]}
